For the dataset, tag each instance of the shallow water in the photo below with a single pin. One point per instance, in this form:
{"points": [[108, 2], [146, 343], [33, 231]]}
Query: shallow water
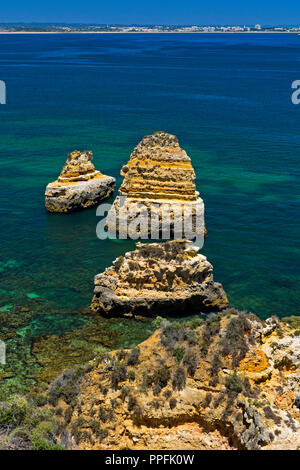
{"points": [[226, 97]]}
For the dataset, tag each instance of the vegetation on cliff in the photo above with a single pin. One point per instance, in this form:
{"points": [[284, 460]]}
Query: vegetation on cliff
{"points": [[229, 381]]}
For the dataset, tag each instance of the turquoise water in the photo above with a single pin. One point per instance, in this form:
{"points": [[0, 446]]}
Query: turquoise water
{"points": [[228, 100]]}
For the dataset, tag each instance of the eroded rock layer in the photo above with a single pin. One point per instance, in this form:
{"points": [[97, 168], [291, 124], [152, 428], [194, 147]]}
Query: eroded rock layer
{"points": [[226, 381], [159, 173], [169, 276], [79, 185]]}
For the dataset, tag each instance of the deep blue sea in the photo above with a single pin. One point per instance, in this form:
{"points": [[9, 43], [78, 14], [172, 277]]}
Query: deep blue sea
{"points": [[227, 97]]}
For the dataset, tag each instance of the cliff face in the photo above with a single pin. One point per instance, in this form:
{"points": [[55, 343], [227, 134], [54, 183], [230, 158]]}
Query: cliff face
{"points": [[229, 383], [158, 175], [170, 277], [79, 185]]}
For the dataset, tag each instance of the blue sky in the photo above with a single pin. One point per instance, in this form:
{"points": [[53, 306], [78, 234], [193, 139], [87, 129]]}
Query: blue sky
{"points": [[153, 11]]}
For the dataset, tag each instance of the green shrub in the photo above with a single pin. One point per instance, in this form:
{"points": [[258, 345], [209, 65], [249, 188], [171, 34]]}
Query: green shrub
{"points": [[121, 355], [178, 353], [102, 414], [118, 374], [133, 357], [156, 389], [179, 379], [59, 411], [157, 322], [6, 416], [14, 411], [209, 331], [38, 399], [42, 437], [68, 414], [191, 338], [155, 404], [194, 323], [216, 365], [190, 361], [172, 333], [233, 383], [161, 376], [234, 342], [146, 382], [65, 386], [124, 393], [131, 375], [167, 394], [137, 412], [132, 402]]}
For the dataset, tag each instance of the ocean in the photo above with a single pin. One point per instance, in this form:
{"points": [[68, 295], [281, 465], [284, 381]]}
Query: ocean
{"points": [[227, 97]]}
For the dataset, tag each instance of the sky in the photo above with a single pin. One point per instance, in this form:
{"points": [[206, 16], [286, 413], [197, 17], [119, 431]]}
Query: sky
{"points": [[198, 12]]}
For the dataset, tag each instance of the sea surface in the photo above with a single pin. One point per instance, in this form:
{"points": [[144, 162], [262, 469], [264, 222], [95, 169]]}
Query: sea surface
{"points": [[227, 97]]}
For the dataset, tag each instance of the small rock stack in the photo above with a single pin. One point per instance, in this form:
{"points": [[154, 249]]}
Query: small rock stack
{"points": [[168, 278]]}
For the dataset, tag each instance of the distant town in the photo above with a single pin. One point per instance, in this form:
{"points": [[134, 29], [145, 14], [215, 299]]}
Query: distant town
{"points": [[94, 28]]}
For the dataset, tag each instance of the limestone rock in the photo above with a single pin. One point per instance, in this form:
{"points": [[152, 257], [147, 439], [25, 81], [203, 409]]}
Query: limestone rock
{"points": [[170, 277], [79, 185], [207, 398], [159, 175]]}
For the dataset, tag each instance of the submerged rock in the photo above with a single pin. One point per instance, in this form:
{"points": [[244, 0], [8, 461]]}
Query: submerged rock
{"points": [[79, 185], [170, 277], [159, 176]]}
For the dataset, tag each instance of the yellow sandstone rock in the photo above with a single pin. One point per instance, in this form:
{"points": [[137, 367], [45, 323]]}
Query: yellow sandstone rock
{"points": [[189, 386], [160, 177], [78, 186], [171, 277]]}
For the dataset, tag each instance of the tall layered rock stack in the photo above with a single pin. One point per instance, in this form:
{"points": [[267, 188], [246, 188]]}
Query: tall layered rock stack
{"points": [[159, 174], [169, 277], [79, 185]]}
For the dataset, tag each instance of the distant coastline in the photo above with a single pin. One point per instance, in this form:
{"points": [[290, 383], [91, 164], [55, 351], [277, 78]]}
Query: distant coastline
{"points": [[89, 28], [149, 32]]}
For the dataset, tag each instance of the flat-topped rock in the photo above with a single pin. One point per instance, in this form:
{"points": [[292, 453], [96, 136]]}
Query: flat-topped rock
{"points": [[79, 185], [158, 173], [169, 277]]}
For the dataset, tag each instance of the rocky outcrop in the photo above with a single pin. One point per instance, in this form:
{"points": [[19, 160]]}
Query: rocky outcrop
{"points": [[228, 382], [170, 277], [79, 185], [160, 177]]}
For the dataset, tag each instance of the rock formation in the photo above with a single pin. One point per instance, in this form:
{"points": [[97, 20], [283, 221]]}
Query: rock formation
{"points": [[160, 176], [170, 277], [79, 185], [230, 381]]}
